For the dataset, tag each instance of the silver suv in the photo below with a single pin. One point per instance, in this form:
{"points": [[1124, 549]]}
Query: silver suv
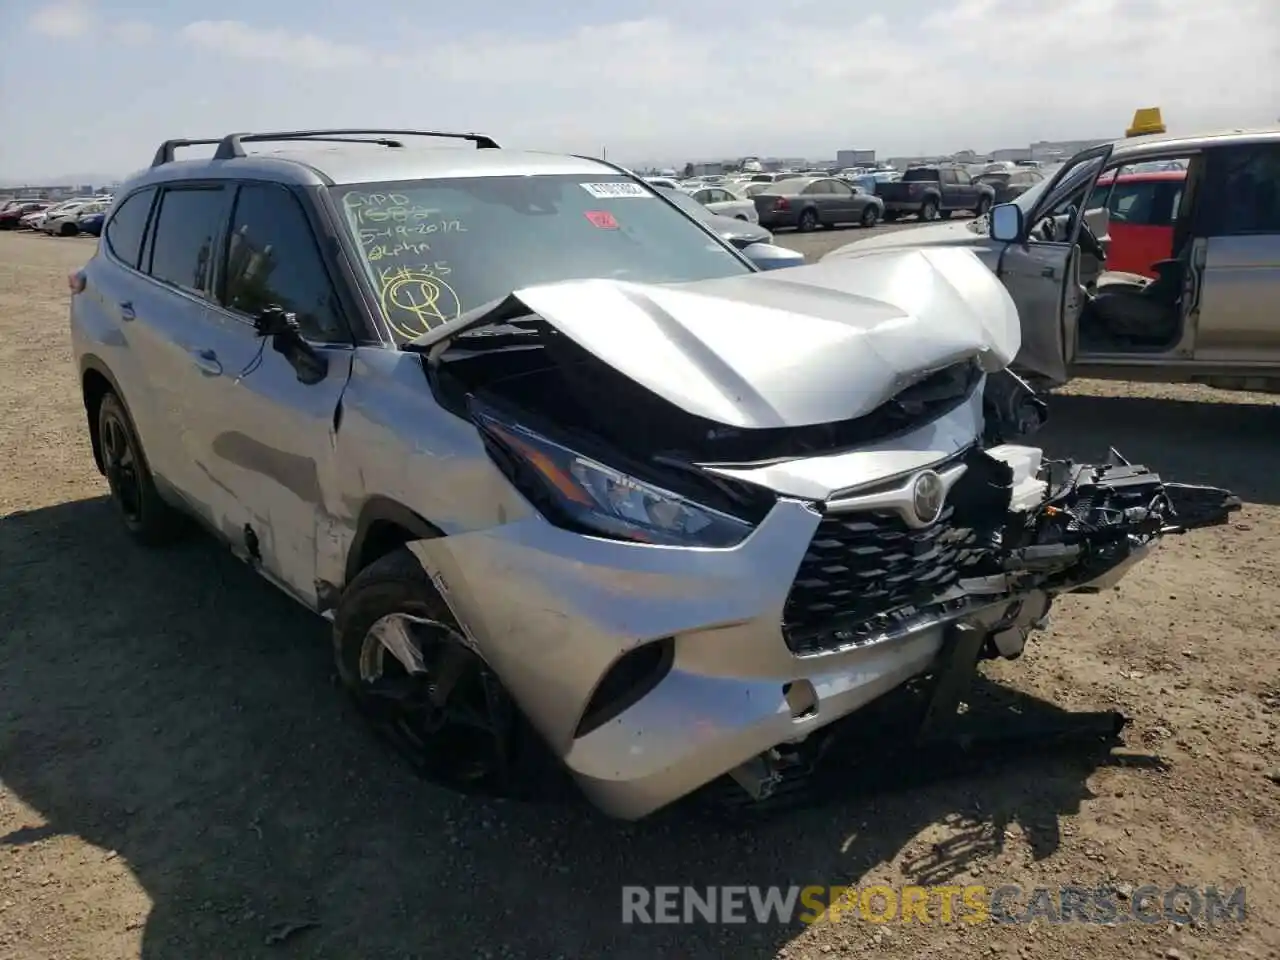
{"points": [[569, 475]]}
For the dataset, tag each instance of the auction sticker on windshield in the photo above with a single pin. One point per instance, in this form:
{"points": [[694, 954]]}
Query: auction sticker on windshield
{"points": [[602, 219], [615, 191]]}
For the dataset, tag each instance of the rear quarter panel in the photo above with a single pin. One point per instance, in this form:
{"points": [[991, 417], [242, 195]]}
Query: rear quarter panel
{"points": [[99, 342]]}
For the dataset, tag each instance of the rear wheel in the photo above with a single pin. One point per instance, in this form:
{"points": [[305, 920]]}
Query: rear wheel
{"points": [[424, 689], [808, 221], [984, 204], [67, 230], [870, 215], [146, 516], [929, 210]]}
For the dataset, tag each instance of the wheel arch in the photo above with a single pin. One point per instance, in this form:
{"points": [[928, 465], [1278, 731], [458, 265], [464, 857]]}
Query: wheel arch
{"points": [[384, 525], [96, 381]]}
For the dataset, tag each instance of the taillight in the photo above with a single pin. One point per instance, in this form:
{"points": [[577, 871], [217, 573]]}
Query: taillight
{"points": [[782, 203], [76, 281]]}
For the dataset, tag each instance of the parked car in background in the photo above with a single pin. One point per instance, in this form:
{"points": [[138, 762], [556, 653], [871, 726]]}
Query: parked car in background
{"points": [[91, 223], [1208, 317], [807, 203], [62, 221], [1141, 210], [663, 182], [933, 192], [1010, 182], [866, 182], [725, 200], [14, 211], [740, 234]]}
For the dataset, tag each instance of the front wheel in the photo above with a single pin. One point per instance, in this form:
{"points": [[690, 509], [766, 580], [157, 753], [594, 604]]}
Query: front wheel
{"points": [[870, 216], [419, 682], [929, 210], [67, 230]]}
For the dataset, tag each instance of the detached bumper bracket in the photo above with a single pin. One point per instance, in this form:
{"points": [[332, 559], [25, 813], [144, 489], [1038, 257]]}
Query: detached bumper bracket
{"points": [[943, 725]]}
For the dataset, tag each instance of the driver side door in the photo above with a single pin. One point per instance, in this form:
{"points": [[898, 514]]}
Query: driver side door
{"points": [[1041, 270]]}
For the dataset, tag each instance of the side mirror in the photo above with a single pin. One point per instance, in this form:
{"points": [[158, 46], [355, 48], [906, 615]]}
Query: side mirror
{"points": [[281, 327], [767, 256], [1006, 222]]}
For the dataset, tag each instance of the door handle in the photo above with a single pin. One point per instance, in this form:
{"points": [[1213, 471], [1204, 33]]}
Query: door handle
{"points": [[126, 310], [207, 362], [1048, 272]]}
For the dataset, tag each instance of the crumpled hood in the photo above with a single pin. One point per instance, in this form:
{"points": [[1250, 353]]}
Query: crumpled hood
{"points": [[943, 234], [811, 344]]}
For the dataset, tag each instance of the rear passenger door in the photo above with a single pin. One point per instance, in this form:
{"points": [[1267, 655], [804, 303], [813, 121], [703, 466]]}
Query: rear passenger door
{"points": [[271, 434], [1240, 224], [164, 319]]}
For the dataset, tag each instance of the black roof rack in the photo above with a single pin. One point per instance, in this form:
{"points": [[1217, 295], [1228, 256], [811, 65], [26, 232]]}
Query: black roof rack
{"points": [[165, 153], [231, 146]]}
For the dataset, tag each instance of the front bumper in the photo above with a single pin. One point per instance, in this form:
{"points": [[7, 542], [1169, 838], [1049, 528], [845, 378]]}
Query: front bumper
{"points": [[570, 606]]}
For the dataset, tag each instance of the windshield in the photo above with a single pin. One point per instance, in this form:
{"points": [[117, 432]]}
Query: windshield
{"points": [[435, 248]]}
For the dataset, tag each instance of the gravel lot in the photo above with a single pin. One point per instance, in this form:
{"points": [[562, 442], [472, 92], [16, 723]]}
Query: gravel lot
{"points": [[179, 777]]}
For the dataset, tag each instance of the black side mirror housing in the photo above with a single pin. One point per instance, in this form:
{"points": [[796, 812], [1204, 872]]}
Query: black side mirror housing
{"points": [[282, 327]]}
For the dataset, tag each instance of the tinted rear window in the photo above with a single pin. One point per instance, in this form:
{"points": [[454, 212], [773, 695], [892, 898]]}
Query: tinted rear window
{"points": [[923, 173], [787, 187], [186, 227], [123, 234], [433, 249]]}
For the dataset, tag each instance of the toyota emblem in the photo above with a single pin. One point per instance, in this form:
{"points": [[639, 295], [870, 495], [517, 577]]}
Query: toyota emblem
{"points": [[928, 496]]}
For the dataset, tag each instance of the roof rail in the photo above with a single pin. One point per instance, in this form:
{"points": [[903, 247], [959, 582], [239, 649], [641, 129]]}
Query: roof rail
{"points": [[231, 146], [165, 153]]}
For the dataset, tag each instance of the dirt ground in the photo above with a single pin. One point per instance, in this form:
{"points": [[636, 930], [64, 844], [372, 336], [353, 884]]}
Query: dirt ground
{"points": [[180, 779]]}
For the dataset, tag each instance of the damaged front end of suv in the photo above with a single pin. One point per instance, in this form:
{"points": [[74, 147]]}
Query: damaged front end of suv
{"points": [[759, 504]]}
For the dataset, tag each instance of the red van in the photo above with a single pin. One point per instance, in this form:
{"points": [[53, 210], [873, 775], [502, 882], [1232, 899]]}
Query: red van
{"points": [[1140, 214]]}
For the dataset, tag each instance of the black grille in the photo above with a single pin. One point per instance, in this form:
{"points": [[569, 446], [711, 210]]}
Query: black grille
{"points": [[865, 573]]}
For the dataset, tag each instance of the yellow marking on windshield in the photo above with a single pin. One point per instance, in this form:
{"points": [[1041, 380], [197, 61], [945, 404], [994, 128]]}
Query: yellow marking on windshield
{"points": [[417, 299]]}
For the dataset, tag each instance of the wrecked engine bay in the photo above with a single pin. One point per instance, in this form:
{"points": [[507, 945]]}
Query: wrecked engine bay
{"points": [[1081, 522], [975, 540]]}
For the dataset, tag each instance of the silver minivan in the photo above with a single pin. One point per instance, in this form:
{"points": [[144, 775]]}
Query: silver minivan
{"points": [[1208, 316]]}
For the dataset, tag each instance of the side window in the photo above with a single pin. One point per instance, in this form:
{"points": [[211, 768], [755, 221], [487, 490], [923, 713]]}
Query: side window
{"points": [[187, 226], [273, 260], [814, 189], [124, 231], [947, 177], [962, 177], [1133, 203], [703, 196], [839, 189], [1245, 190]]}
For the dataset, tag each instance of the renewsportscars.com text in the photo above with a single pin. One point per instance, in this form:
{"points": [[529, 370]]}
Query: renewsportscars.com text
{"points": [[973, 904]]}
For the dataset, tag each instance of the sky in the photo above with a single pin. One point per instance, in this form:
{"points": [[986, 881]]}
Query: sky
{"points": [[93, 86]]}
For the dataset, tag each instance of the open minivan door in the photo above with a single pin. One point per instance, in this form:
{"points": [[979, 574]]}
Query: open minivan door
{"points": [[1041, 262]]}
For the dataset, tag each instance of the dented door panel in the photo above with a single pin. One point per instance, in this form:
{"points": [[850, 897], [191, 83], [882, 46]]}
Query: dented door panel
{"points": [[271, 450]]}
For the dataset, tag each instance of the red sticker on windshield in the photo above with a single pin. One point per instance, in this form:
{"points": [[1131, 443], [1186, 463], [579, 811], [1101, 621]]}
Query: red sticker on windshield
{"points": [[602, 219]]}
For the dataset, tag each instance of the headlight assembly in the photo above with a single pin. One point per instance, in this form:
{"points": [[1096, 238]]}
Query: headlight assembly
{"points": [[577, 491]]}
